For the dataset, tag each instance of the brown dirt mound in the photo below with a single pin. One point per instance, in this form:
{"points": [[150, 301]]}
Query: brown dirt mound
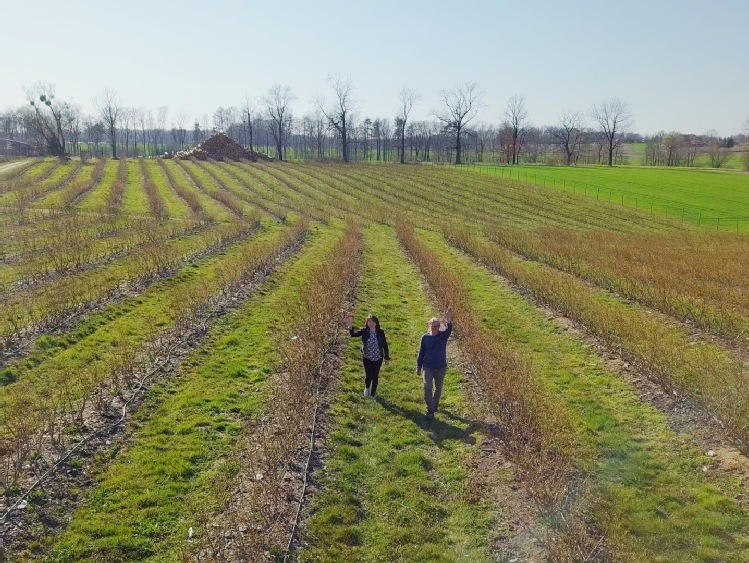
{"points": [[220, 147]]}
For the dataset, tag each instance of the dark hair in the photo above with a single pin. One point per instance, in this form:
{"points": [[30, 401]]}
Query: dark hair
{"points": [[375, 319]]}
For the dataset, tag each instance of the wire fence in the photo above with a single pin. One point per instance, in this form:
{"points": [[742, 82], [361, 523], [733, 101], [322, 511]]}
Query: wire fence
{"points": [[641, 202]]}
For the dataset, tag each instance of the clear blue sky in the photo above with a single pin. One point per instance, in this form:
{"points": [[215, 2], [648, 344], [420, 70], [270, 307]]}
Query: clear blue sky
{"points": [[678, 64]]}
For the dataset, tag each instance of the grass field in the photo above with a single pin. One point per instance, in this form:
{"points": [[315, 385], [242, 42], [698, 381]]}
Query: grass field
{"points": [[714, 199], [174, 363]]}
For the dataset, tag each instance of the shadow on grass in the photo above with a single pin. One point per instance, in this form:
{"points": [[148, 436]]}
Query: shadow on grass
{"points": [[443, 427]]}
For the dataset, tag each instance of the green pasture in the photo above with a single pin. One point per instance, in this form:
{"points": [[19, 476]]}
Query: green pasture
{"points": [[713, 199]]}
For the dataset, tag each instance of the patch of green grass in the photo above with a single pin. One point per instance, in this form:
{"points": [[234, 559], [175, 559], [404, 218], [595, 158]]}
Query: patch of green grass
{"points": [[695, 196], [175, 207], [142, 505], [98, 198], [392, 487], [652, 495], [134, 199]]}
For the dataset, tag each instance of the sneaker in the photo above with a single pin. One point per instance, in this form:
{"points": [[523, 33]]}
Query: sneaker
{"points": [[366, 391], [373, 397]]}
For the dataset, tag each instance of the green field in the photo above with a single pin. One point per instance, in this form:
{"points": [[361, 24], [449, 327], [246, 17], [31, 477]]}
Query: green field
{"points": [[714, 199], [174, 361]]}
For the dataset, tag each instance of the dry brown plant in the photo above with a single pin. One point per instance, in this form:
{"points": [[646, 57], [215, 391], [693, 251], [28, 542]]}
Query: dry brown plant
{"points": [[192, 200], [117, 190], [709, 373], [155, 199], [257, 524], [536, 431]]}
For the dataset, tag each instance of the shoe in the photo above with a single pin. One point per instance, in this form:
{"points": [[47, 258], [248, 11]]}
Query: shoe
{"points": [[366, 391], [373, 397], [436, 409]]}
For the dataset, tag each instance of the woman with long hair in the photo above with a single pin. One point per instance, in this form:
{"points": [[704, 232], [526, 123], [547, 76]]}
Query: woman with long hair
{"points": [[374, 349]]}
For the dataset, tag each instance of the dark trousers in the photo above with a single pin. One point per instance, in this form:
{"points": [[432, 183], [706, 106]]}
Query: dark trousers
{"points": [[371, 375]]}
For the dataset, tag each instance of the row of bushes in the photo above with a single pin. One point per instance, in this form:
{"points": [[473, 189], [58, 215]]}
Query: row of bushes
{"points": [[707, 372], [39, 411], [262, 518], [536, 429]]}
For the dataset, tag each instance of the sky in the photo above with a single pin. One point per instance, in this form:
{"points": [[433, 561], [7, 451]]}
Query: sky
{"points": [[679, 65]]}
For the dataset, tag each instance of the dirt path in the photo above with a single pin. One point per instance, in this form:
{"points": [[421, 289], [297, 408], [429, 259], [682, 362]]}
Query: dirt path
{"points": [[11, 165]]}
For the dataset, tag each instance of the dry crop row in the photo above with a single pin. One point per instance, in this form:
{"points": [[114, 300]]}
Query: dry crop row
{"points": [[710, 374], [38, 412], [208, 185], [36, 310], [270, 449], [692, 276], [536, 429], [72, 249], [233, 183]]}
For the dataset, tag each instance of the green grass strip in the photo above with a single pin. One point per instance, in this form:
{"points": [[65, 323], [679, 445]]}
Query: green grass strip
{"points": [[175, 206], [135, 200], [98, 198], [142, 507], [653, 499], [392, 487]]}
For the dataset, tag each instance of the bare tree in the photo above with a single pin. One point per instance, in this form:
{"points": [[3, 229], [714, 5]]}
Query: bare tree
{"points": [[569, 135], [613, 119], [162, 112], [461, 106], [716, 149], [110, 110], [249, 107], [179, 128], [48, 117], [277, 105], [516, 118], [338, 114], [408, 98]]}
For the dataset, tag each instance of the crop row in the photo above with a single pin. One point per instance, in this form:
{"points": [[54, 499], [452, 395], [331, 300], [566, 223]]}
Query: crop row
{"points": [[54, 394], [537, 431], [71, 249], [35, 310], [708, 373], [213, 423], [695, 277], [628, 458]]}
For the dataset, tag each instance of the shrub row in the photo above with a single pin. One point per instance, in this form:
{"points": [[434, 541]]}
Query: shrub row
{"points": [[263, 518], [705, 371], [40, 410]]}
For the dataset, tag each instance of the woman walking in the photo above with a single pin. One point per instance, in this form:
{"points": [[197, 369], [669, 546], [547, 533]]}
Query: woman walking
{"points": [[374, 350]]}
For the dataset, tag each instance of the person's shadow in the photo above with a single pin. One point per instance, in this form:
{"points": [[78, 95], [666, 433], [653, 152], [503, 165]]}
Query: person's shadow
{"points": [[439, 428]]}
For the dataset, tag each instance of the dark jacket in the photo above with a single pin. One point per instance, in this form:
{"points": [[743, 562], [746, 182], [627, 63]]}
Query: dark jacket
{"points": [[433, 349], [381, 340]]}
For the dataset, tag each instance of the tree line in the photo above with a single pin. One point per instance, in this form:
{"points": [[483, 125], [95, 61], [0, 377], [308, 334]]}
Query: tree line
{"points": [[338, 130]]}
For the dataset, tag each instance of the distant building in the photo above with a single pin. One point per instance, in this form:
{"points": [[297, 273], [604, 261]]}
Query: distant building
{"points": [[13, 148]]}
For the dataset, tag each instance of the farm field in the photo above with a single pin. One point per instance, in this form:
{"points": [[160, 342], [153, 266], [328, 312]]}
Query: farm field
{"points": [[713, 199], [177, 382]]}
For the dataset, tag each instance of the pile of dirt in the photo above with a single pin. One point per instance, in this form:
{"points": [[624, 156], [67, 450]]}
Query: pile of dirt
{"points": [[220, 147]]}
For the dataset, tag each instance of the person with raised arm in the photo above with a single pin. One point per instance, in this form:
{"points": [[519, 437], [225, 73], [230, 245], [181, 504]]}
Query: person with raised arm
{"points": [[374, 349], [432, 361]]}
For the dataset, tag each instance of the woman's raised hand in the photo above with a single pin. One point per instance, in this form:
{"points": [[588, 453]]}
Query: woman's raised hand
{"points": [[347, 320]]}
